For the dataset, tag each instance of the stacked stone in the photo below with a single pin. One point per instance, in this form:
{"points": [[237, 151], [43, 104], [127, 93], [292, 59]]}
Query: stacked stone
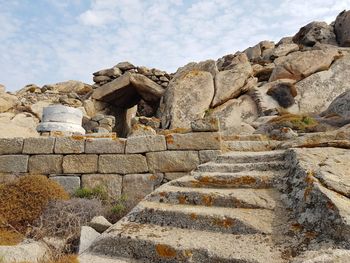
{"points": [[100, 124], [104, 76]]}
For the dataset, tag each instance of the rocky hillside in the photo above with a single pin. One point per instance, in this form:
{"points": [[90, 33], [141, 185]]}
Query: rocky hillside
{"points": [[299, 75]]}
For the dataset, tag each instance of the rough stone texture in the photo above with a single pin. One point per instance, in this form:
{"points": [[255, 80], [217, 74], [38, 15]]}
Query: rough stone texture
{"points": [[38, 145], [122, 164], [112, 183], [144, 183], [230, 84], [234, 112], [299, 65], [69, 145], [205, 125], [13, 163], [100, 224], [316, 92], [207, 65], [208, 155], [78, 164], [284, 50], [187, 98], [172, 161], [69, 183], [20, 125], [11, 146], [142, 144], [315, 32], [87, 236], [45, 164], [34, 252], [324, 256], [7, 101], [319, 176], [194, 141], [339, 106], [342, 28], [105, 145]]}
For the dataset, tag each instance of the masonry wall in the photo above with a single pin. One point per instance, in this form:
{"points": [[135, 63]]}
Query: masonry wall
{"points": [[133, 167]]}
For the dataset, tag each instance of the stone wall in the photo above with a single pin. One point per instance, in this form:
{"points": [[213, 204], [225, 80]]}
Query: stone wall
{"points": [[133, 167]]}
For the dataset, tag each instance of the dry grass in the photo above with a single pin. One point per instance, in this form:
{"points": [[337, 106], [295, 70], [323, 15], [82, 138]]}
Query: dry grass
{"points": [[23, 200], [295, 122]]}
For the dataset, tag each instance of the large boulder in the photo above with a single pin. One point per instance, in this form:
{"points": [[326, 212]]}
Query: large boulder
{"points": [[187, 98], [229, 84], [340, 106], [7, 101], [316, 92], [235, 114], [207, 65], [299, 65], [20, 125], [342, 28], [315, 32]]}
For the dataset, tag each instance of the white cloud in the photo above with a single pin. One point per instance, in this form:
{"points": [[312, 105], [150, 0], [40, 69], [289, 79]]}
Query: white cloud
{"points": [[154, 33]]}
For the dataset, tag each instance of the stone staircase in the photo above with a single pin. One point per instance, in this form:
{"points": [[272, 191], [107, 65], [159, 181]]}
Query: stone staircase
{"points": [[226, 210]]}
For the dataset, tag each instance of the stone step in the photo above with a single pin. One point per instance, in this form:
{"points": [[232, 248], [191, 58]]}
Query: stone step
{"points": [[227, 136], [154, 243], [250, 146], [240, 167], [216, 219], [247, 157], [238, 198], [248, 179]]}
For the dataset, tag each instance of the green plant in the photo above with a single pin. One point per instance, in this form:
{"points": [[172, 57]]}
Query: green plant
{"points": [[98, 192], [118, 209], [23, 200]]}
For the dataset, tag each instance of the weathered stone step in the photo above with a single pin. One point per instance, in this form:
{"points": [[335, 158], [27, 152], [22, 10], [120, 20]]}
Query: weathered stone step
{"points": [[239, 198], [247, 157], [217, 219], [240, 167], [154, 243], [250, 146], [248, 179]]}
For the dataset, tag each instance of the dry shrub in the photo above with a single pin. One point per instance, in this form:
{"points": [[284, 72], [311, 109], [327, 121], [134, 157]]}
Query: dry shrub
{"points": [[63, 219], [294, 121], [23, 200], [9, 238]]}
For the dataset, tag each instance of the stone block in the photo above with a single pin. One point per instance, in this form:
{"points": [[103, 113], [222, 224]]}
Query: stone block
{"points": [[142, 144], [74, 144], [41, 145], [112, 183], [173, 176], [105, 145], [122, 164], [205, 125], [45, 164], [11, 145], [14, 163], [208, 155], [172, 161], [68, 182], [194, 141], [7, 178], [79, 164], [137, 186]]}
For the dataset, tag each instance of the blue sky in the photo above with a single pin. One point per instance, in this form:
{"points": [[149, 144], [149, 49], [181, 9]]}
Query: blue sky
{"points": [[48, 41]]}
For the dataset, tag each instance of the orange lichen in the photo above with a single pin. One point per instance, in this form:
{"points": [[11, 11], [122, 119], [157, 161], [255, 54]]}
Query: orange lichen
{"points": [[330, 205], [193, 216], [165, 251], [78, 137], [169, 139], [296, 227], [226, 222], [182, 199], [207, 200]]}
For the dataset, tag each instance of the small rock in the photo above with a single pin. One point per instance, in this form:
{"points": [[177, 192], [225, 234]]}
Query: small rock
{"points": [[87, 236], [124, 66]]}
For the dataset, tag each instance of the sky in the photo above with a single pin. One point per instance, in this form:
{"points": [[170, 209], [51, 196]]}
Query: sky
{"points": [[49, 41]]}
